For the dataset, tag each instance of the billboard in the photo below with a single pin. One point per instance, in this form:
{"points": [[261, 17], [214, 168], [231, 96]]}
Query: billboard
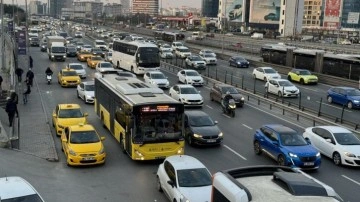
{"points": [[235, 10], [332, 13], [21, 36], [353, 18], [265, 11]]}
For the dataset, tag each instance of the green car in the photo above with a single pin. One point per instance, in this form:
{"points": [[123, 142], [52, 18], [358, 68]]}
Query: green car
{"points": [[302, 76]]}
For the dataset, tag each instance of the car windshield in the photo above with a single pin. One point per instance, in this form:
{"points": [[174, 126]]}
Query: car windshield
{"points": [[76, 67], [346, 139], [101, 43], [199, 121], [69, 73], [58, 49], [292, 139], [80, 44], [239, 59], [71, 49], [106, 65], [188, 90], [208, 51], [269, 71], [27, 198], [192, 73], [70, 113], [96, 50], [230, 89], [197, 177], [81, 137], [196, 58], [353, 92], [183, 50], [158, 76], [304, 72], [166, 46], [285, 83], [89, 87], [96, 58], [87, 46], [166, 51], [208, 56]]}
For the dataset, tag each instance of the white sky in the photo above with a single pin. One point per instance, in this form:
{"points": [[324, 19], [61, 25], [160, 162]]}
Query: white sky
{"points": [[165, 3]]}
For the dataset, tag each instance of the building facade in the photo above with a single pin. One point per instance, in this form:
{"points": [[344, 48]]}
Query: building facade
{"points": [[312, 13], [291, 17], [232, 12], [126, 7], [209, 8], [150, 7], [349, 17], [84, 9], [38, 8], [55, 8], [112, 10]]}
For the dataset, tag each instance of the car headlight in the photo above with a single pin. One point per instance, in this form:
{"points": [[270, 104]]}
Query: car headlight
{"points": [[349, 154], [180, 151], [64, 56], [242, 98], [197, 135], [78, 80], [52, 56], [88, 96], [71, 152], [292, 155], [221, 134], [102, 150], [318, 154], [81, 57], [356, 101], [184, 199]]}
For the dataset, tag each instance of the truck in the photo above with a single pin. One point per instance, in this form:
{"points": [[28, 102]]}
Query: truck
{"points": [[197, 35], [269, 183], [56, 48]]}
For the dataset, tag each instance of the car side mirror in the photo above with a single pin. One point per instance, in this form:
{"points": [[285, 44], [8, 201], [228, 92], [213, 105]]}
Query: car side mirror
{"points": [[54, 115], [63, 140], [86, 114], [171, 183], [216, 122], [328, 140], [102, 138]]}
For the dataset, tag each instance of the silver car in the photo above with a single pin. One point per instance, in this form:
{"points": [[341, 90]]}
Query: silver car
{"points": [[79, 68]]}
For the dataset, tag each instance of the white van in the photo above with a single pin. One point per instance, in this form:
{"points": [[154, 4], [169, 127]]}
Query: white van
{"points": [[257, 36], [100, 44], [197, 35]]}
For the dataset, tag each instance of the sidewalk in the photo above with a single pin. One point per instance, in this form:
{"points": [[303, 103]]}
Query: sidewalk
{"points": [[34, 133]]}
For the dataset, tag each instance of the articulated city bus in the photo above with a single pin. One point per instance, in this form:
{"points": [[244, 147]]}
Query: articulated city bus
{"points": [[136, 56], [146, 122]]}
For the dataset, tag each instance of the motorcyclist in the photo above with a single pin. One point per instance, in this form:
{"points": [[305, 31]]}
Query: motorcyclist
{"points": [[48, 71], [226, 99]]}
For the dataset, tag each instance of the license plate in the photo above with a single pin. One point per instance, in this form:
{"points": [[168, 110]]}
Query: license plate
{"points": [[308, 163], [211, 140], [88, 158]]}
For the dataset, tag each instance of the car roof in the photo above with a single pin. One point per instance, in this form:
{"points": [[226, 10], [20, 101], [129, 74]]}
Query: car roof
{"points": [[189, 70], [88, 82], [69, 106], [11, 187], [181, 162], [75, 63], [185, 86], [182, 47], [266, 67], [344, 87], [334, 129], [155, 72], [279, 128], [82, 127], [279, 80], [68, 70], [220, 85], [196, 113]]}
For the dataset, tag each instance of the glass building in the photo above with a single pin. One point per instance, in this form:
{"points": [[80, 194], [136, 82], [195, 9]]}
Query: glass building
{"points": [[210, 8], [350, 14]]}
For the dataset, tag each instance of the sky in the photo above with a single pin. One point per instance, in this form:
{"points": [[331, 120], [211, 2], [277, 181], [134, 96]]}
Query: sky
{"points": [[165, 3]]}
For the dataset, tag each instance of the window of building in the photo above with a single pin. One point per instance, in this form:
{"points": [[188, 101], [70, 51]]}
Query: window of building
{"points": [[282, 22]]}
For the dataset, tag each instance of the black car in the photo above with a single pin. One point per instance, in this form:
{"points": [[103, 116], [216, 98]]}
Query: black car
{"points": [[71, 51], [98, 51], [200, 129], [239, 61], [34, 41]]}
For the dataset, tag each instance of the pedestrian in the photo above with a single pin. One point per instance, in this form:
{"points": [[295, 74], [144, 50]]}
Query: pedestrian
{"points": [[27, 92], [19, 72], [30, 77], [31, 62], [1, 80], [11, 108]]}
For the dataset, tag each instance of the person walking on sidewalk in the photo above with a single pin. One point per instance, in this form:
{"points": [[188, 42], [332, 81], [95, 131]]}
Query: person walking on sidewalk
{"points": [[31, 62], [27, 92], [30, 77], [19, 72], [1, 80], [11, 108]]}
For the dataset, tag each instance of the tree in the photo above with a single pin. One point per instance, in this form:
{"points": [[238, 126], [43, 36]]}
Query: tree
{"points": [[17, 12]]}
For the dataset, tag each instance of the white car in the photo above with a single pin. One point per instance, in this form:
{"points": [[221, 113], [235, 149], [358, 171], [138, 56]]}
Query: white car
{"points": [[104, 35], [116, 39], [78, 35], [165, 47], [156, 78], [265, 73], [189, 76], [166, 54], [86, 48], [184, 178], [195, 62], [108, 56], [182, 52], [187, 94], [206, 51], [209, 59], [79, 68], [282, 88], [104, 67], [335, 142], [176, 44], [13, 188], [86, 91]]}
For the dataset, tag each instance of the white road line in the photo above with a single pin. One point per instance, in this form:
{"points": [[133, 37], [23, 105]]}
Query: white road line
{"points": [[354, 181], [309, 89], [239, 155], [209, 106], [226, 116], [333, 106], [247, 126]]}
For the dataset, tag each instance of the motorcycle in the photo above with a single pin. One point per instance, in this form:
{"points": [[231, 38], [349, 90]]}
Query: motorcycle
{"points": [[229, 109], [48, 78]]}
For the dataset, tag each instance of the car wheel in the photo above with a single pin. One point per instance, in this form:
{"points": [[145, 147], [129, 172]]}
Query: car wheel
{"points": [[257, 148], [302, 82], [158, 184], [189, 139], [279, 94], [329, 99], [281, 160], [289, 78], [350, 105], [337, 159]]}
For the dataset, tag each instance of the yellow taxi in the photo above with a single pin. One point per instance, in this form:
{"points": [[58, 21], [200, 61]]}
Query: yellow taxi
{"points": [[93, 61], [82, 55], [67, 115], [82, 145], [68, 78]]}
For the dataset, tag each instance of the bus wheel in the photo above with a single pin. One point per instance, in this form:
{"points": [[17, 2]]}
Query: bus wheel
{"points": [[118, 65], [122, 144]]}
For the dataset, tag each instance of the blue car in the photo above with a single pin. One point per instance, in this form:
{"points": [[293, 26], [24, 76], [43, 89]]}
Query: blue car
{"points": [[286, 146], [347, 96]]}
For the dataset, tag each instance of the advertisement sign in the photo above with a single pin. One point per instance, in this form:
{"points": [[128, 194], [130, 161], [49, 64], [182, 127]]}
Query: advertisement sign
{"points": [[353, 18], [234, 10], [21, 36], [332, 13], [265, 11]]}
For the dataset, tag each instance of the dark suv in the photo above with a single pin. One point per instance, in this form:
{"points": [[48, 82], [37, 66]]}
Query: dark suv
{"points": [[218, 92]]}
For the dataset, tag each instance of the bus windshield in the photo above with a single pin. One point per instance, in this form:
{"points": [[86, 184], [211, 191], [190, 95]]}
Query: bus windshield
{"points": [[158, 127], [148, 57]]}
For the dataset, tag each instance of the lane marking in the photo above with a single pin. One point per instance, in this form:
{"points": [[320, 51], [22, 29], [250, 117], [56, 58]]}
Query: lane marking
{"points": [[308, 88], [239, 155], [226, 116], [333, 106], [247, 126], [354, 181], [209, 106]]}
